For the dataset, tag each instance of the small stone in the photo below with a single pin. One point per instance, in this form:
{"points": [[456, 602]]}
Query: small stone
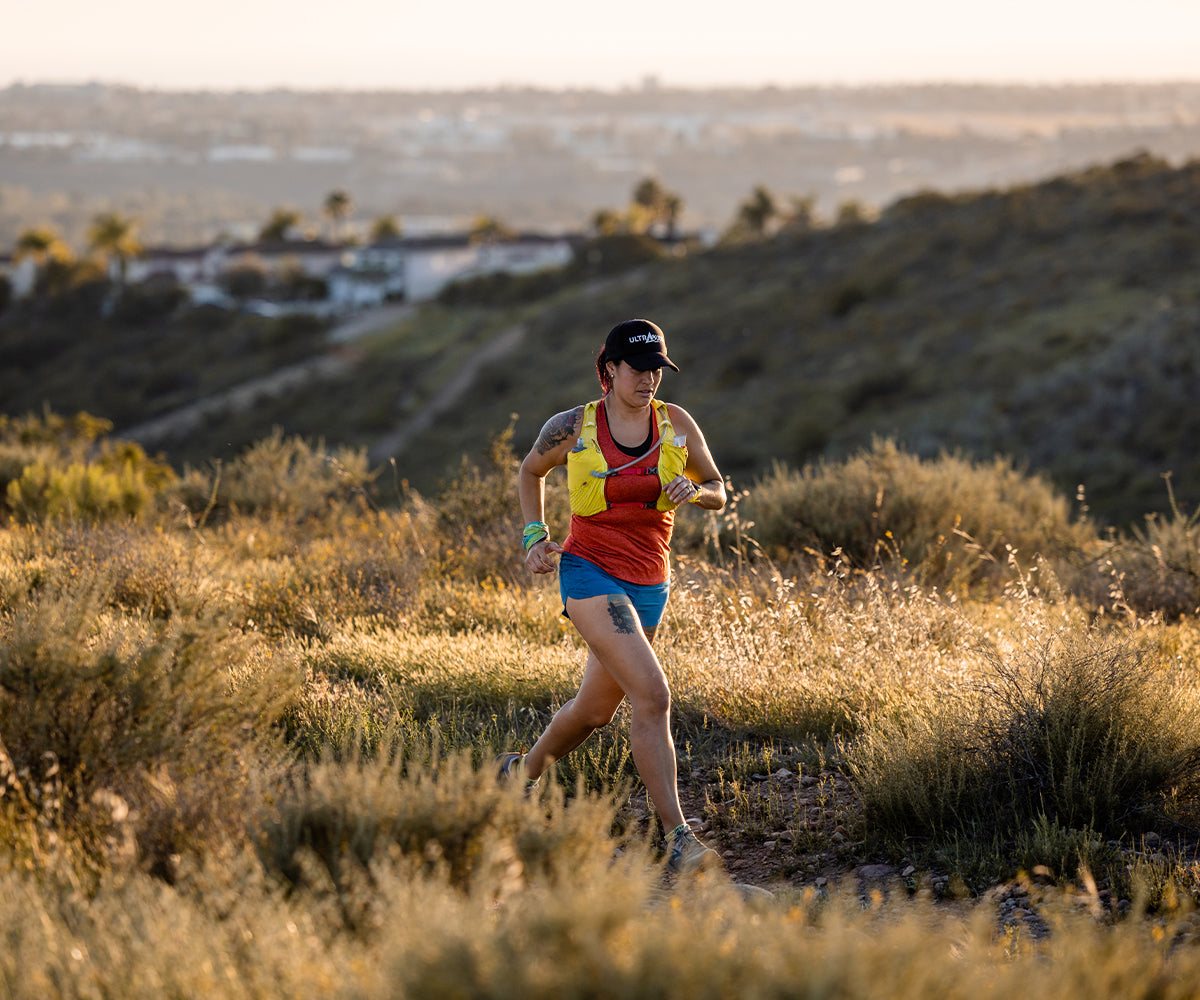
{"points": [[822, 882], [808, 780], [909, 872], [754, 894], [876, 871], [1152, 839], [759, 777], [782, 774], [769, 844]]}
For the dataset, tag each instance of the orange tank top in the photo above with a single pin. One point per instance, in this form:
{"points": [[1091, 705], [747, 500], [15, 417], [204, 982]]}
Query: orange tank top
{"points": [[632, 538]]}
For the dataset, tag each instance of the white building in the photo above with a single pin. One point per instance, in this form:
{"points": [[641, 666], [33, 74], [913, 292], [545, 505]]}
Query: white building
{"points": [[418, 268], [314, 258], [187, 265], [21, 275], [433, 262], [527, 254], [413, 268], [354, 289]]}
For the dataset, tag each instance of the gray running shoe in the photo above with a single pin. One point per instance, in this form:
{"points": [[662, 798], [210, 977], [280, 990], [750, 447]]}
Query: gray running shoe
{"points": [[687, 855], [511, 766]]}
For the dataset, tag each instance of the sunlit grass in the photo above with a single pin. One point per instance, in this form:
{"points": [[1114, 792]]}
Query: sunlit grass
{"points": [[251, 755]]}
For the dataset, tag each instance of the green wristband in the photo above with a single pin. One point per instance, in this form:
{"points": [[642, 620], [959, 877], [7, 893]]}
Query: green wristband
{"points": [[535, 531]]}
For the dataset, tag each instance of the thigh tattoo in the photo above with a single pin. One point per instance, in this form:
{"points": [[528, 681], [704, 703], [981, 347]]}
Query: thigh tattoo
{"points": [[621, 613]]}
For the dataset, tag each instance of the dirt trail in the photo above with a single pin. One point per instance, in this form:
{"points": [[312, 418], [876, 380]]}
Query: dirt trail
{"points": [[243, 396], [447, 396], [240, 397]]}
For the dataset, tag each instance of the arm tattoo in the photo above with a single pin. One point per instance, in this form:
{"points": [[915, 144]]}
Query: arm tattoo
{"points": [[558, 429], [621, 613]]}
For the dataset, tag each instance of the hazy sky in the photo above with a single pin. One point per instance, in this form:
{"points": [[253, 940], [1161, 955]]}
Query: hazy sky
{"points": [[415, 44]]}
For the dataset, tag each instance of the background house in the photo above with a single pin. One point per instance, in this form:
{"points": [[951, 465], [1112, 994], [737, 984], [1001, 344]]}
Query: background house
{"points": [[350, 277], [20, 274], [313, 258], [417, 268], [188, 266]]}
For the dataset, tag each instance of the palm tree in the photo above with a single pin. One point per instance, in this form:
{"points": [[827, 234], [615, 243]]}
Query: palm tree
{"points": [[114, 236], [758, 210], [605, 222], [654, 205], [281, 222], [851, 212], [672, 210], [43, 244], [52, 258], [489, 229], [649, 193], [337, 206], [803, 214], [385, 228]]}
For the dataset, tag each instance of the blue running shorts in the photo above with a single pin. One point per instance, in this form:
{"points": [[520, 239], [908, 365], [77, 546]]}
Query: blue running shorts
{"points": [[579, 578]]}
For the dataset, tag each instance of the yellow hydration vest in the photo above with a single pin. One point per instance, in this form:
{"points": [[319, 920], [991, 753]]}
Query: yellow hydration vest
{"points": [[587, 469]]}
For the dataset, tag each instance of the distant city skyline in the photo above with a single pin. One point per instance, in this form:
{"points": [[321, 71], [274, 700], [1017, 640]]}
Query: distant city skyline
{"points": [[416, 44]]}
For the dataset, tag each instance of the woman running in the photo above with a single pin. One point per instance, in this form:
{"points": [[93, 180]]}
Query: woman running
{"points": [[631, 460]]}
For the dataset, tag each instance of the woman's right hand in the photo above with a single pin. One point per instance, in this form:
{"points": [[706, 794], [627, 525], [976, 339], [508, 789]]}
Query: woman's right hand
{"points": [[540, 557]]}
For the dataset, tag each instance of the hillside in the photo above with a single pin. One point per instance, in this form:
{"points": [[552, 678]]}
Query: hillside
{"points": [[1053, 323]]}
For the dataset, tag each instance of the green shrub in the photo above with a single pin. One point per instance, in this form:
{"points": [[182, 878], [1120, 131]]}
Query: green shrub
{"points": [[952, 521], [917, 776], [1068, 731], [83, 492], [1156, 567], [53, 468], [276, 475], [437, 811], [70, 437], [142, 568], [152, 302], [1063, 851], [130, 733], [614, 254], [1086, 731]]}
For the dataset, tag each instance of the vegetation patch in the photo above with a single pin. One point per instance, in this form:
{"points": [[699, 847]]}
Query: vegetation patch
{"points": [[254, 723]]}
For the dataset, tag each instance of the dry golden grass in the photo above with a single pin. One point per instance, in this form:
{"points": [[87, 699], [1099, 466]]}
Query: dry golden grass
{"points": [[250, 756]]}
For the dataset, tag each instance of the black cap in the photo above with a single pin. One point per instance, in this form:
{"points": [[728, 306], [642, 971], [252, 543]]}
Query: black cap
{"points": [[640, 344]]}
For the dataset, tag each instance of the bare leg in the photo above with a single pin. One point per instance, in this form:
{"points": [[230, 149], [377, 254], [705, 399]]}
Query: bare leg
{"points": [[621, 662], [592, 708]]}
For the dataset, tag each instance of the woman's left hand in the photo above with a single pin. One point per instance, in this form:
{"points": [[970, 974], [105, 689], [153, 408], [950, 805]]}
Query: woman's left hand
{"points": [[682, 490]]}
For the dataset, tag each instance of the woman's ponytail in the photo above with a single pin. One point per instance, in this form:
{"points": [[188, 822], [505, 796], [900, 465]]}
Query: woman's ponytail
{"points": [[606, 381]]}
